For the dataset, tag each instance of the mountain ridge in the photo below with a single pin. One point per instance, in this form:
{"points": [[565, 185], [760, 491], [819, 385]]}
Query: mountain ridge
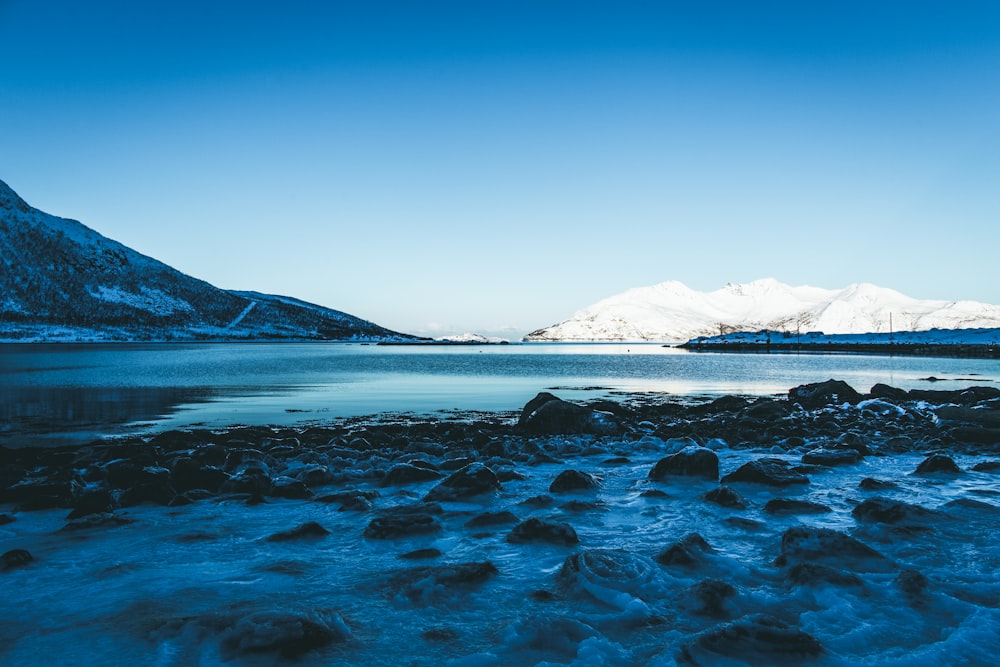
{"points": [[63, 281], [673, 312]]}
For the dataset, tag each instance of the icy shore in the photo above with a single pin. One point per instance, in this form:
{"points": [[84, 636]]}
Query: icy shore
{"points": [[825, 528]]}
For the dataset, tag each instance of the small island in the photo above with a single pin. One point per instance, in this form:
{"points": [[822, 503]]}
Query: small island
{"points": [[981, 343]]}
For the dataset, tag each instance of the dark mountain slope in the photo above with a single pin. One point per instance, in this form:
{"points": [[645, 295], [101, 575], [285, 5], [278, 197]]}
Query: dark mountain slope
{"points": [[60, 280]]}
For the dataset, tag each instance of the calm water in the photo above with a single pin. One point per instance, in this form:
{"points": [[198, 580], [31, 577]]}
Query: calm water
{"points": [[54, 393]]}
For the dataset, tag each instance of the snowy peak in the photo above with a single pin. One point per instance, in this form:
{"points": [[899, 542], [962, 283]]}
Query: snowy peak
{"points": [[671, 311], [61, 280]]}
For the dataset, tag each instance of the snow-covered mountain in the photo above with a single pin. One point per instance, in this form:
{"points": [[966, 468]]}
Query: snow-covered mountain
{"points": [[671, 311], [61, 280]]}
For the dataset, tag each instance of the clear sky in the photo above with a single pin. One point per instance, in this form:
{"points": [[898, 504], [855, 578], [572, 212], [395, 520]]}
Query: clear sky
{"points": [[493, 166]]}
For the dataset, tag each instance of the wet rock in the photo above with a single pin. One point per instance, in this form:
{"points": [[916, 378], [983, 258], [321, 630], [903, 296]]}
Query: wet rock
{"points": [[150, 485], [549, 415], [806, 544], [987, 466], [306, 531], [872, 484], [654, 493], [711, 597], [473, 480], [812, 574], [91, 521], [832, 457], [5, 519], [428, 584], [15, 558], [422, 554], [569, 481], [186, 473], [252, 480], [541, 501], [766, 409], [406, 473], [912, 583], [351, 499], [756, 640], [583, 506], [821, 394], [402, 524], [289, 488], [491, 519], [441, 634], [938, 463], [616, 461], [92, 501], [606, 573], [697, 462], [539, 530], [883, 510], [38, 493], [794, 506], [724, 496], [770, 471], [688, 551], [285, 633], [888, 393]]}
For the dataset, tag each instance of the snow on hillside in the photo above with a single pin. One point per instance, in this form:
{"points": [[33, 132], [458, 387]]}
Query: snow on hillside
{"points": [[673, 312]]}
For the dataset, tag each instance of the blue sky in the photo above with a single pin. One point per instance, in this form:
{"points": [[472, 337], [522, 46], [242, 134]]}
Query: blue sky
{"points": [[441, 167]]}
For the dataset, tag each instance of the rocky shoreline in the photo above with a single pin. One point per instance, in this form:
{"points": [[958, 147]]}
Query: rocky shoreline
{"points": [[794, 476]]}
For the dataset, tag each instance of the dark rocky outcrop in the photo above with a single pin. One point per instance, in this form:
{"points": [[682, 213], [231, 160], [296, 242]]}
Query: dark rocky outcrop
{"points": [[15, 558], [806, 544], [539, 530], [725, 496], [812, 574], [872, 484], [487, 519], [688, 551], [306, 531], [711, 597], [406, 473], [938, 463], [549, 415], [569, 481], [756, 640], [473, 480], [697, 462], [404, 522], [832, 457], [770, 471], [883, 510], [821, 394], [794, 506], [288, 634]]}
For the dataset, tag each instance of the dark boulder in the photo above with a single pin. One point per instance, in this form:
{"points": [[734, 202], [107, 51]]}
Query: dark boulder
{"points": [[697, 462], [987, 466], [756, 640], [569, 481], [891, 394], [285, 633], [289, 488], [724, 496], [306, 531], [812, 574], [414, 583], [794, 506], [766, 409], [548, 415], [688, 551], [872, 484], [186, 473], [252, 480], [938, 463], [770, 471], [473, 480], [15, 558], [711, 597], [825, 546], [421, 554], [92, 501], [487, 519], [36, 493], [407, 473], [822, 394], [912, 583], [150, 485], [404, 522], [832, 457], [538, 530], [883, 510]]}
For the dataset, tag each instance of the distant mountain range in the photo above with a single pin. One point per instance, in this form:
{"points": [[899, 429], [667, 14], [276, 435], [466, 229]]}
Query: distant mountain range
{"points": [[62, 281], [673, 312]]}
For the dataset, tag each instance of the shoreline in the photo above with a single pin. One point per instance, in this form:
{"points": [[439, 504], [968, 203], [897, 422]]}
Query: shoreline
{"points": [[660, 532], [956, 351]]}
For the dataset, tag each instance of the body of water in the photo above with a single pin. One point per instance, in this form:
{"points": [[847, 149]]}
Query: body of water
{"points": [[60, 393]]}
